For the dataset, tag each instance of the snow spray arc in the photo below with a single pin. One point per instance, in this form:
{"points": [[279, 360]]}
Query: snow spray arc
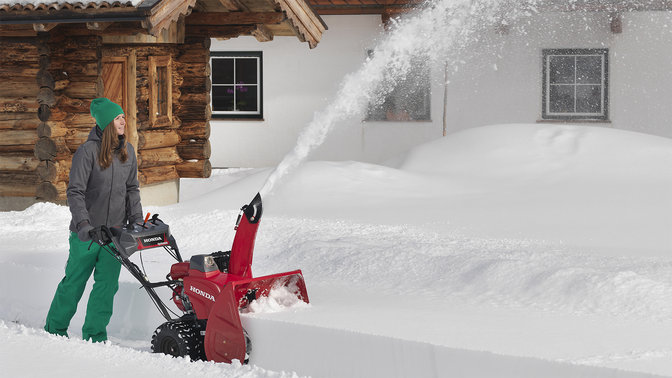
{"points": [[440, 30]]}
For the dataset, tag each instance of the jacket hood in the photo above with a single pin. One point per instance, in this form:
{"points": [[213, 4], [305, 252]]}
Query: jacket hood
{"points": [[95, 135]]}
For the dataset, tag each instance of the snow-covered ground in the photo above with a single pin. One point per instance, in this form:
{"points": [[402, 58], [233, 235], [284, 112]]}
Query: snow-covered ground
{"points": [[507, 250]]}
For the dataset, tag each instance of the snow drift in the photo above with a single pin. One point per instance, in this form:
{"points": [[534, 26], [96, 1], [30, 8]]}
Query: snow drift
{"points": [[494, 248]]}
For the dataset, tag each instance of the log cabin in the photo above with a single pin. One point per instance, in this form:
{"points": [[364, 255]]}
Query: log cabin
{"points": [[150, 56]]}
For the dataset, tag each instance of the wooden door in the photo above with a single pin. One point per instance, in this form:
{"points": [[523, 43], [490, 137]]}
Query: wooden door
{"points": [[118, 75], [115, 78]]}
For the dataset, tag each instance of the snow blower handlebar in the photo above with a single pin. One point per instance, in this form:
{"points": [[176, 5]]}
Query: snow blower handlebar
{"points": [[123, 242]]}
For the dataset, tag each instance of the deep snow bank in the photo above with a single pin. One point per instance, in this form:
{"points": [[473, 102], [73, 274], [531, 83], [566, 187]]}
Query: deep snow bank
{"points": [[484, 240]]}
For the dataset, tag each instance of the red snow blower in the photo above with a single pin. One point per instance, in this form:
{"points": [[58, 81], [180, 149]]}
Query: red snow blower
{"points": [[209, 289]]}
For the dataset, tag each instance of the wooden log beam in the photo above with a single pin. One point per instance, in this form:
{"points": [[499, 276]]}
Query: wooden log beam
{"points": [[74, 105], [20, 105], [194, 99], [45, 96], [52, 149], [221, 31], [75, 138], [233, 5], [196, 112], [153, 175], [166, 13], [18, 137], [24, 30], [235, 18], [193, 69], [158, 156], [156, 139], [45, 79], [194, 130], [52, 129], [13, 71], [19, 87], [74, 68], [44, 27], [17, 190], [20, 124], [193, 56], [17, 116], [194, 149], [262, 33], [54, 171], [195, 169], [84, 89], [98, 25], [18, 184], [18, 162], [51, 191]]}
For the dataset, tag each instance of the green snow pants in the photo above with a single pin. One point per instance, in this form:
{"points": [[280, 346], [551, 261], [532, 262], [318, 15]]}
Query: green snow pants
{"points": [[81, 262]]}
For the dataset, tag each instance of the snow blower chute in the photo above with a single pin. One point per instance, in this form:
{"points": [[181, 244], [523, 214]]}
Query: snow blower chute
{"points": [[210, 289]]}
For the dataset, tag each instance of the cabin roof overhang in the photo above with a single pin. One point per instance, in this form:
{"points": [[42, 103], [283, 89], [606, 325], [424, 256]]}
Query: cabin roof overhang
{"points": [[382, 7], [215, 18]]}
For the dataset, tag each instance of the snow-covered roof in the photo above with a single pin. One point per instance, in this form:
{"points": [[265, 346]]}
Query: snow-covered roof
{"points": [[18, 5]]}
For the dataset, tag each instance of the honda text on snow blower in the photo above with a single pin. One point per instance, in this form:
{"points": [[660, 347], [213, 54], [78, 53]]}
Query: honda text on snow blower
{"points": [[209, 289]]}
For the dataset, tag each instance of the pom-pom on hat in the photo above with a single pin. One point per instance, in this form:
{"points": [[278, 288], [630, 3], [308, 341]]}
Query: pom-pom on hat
{"points": [[104, 111]]}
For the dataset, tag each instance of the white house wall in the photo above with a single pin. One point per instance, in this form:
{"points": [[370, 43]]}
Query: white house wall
{"points": [[501, 80], [497, 80], [297, 83]]}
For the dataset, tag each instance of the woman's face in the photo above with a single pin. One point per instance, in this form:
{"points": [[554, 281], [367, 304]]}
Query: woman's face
{"points": [[120, 124]]}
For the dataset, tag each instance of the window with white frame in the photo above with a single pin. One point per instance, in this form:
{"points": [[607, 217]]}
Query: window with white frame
{"points": [[236, 84], [408, 100], [575, 84]]}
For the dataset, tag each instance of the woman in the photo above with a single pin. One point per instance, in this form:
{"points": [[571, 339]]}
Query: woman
{"points": [[103, 190]]}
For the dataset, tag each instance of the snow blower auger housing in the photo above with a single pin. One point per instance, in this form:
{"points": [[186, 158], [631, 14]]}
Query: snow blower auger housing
{"points": [[210, 289]]}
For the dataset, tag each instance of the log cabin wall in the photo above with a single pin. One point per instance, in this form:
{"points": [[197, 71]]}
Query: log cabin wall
{"points": [[157, 140], [193, 107], [21, 62], [74, 67], [48, 85]]}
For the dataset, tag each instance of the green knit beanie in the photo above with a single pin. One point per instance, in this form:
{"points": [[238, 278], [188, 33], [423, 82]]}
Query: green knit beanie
{"points": [[104, 111]]}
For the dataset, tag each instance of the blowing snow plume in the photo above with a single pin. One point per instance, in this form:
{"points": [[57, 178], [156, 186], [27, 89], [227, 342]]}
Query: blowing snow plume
{"points": [[441, 31]]}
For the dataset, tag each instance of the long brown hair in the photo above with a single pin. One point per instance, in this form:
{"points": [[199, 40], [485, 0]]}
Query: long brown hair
{"points": [[111, 144]]}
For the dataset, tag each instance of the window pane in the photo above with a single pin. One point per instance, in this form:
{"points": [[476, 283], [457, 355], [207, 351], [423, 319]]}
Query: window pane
{"points": [[222, 70], [588, 99], [589, 70], [561, 69], [561, 99], [162, 90], [246, 98], [246, 71], [222, 98]]}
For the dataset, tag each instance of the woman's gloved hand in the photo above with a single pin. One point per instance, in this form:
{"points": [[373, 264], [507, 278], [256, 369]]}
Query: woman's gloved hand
{"points": [[84, 230], [99, 236]]}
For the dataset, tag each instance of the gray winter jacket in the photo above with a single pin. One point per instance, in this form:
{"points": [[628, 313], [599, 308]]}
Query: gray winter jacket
{"points": [[103, 197]]}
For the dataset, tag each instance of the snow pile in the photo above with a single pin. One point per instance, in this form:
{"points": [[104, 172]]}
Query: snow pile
{"points": [[533, 242], [279, 299], [55, 356]]}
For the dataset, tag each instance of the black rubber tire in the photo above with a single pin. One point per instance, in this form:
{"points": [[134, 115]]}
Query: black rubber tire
{"points": [[179, 339]]}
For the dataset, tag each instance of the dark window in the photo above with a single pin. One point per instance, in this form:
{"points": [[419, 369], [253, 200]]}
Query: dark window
{"points": [[409, 98], [161, 89], [575, 84], [236, 84]]}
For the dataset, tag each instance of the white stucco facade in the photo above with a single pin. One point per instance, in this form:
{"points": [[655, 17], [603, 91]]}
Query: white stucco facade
{"points": [[498, 80], [298, 82], [504, 84]]}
